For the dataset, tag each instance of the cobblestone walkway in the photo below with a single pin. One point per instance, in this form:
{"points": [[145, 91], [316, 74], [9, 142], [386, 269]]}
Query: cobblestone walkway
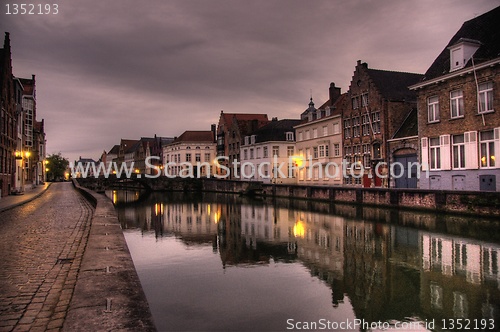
{"points": [[41, 248]]}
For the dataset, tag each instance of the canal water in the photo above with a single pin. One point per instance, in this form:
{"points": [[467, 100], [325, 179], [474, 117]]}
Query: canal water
{"points": [[221, 262]]}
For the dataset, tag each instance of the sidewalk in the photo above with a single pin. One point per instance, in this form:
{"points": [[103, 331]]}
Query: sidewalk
{"points": [[11, 201]]}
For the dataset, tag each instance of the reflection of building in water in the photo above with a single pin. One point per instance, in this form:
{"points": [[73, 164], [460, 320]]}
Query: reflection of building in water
{"points": [[316, 239], [194, 222], [460, 277], [366, 261]]}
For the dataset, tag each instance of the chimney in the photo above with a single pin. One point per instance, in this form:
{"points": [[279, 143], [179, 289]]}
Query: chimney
{"points": [[334, 93], [213, 127], [274, 119]]}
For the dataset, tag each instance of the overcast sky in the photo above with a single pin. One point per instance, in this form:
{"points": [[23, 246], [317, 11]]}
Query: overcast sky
{"points": [[126, 68]]}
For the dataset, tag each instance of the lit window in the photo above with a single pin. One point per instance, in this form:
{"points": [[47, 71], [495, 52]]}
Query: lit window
{"points": [[487, 145]]}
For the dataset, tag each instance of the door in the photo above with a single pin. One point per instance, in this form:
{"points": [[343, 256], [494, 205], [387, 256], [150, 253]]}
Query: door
{"points": [[407, 176]]}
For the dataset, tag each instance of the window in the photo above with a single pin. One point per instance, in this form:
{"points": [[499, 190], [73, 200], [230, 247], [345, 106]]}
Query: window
{"points": [[325, 131], [487, 146], [433, 109], [355, 103], [315, 152], [198, 157], [245, 154], [435, 153], [300, 136], [207, 157], [289, 136], [276, 151], [457, 104], [308, 134], [458, 151], [356, 127], [252, 139], [366, 155], [257, 153], [265, 151], [289, 151], [365, 125], [188, 157], [336, 150], [315, 133], [347, 128], [376, 122], [323, 151], [336, 128], [247, 140], [364, 100], [486, 97], [251, 153]]}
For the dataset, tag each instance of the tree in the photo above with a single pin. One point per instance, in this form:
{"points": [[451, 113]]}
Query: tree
{"points": [[56, 165]]}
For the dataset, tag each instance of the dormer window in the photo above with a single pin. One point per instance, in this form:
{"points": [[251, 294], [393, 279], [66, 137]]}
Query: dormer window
{"points": [[247, 140], [289, 136], [462, 52], [327, 111], [252, 139]]}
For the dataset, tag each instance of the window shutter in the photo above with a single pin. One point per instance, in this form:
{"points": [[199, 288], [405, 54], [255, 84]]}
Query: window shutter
{"points": [[425, 154], [471, 157], [445, 152], [497, 147]]}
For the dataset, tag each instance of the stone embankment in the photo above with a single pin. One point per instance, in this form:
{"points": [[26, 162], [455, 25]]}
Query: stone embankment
{"points": [[108, 294]]}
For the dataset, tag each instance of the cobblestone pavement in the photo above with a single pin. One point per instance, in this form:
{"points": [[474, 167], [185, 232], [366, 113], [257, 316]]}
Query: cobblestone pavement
{"points": [[41, 248]]}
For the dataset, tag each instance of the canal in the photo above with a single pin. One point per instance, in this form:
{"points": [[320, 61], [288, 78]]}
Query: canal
{"points": [[223, 262]]}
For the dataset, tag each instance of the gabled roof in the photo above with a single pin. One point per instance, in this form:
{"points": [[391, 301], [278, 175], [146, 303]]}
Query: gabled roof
{"points": [[128, 144], [195, 136], [485, 29], [409, 127], [114, 150], [275, 130], [394, 85], [228, 117]]}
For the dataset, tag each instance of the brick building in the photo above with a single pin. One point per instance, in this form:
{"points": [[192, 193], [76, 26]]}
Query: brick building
{"points": [[231, 131], [8, 120], [378, 103], [458, 105]]}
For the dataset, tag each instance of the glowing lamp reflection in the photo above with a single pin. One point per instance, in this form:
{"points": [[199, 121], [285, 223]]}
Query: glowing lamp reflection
{"points": [[299, 230]]}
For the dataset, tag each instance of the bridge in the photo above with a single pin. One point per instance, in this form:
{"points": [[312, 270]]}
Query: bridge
{"points": [[140, 182]]}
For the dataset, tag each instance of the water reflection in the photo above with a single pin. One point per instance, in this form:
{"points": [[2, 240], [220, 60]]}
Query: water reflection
{"points": [[378, 265]]}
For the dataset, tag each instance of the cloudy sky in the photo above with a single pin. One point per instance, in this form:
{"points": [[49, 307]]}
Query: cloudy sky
{"points": [[126, 68]]}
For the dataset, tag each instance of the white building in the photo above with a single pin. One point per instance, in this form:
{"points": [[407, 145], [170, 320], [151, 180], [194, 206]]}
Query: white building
{"points": [[265, 154], [191, 153], [319, 143]]}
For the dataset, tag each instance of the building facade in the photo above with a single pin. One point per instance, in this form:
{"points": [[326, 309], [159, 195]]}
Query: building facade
{"points": [[319, 142], [267, 152], [8, 120], [231, 130], [378, 103], [458, 105], [191, 155]]}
